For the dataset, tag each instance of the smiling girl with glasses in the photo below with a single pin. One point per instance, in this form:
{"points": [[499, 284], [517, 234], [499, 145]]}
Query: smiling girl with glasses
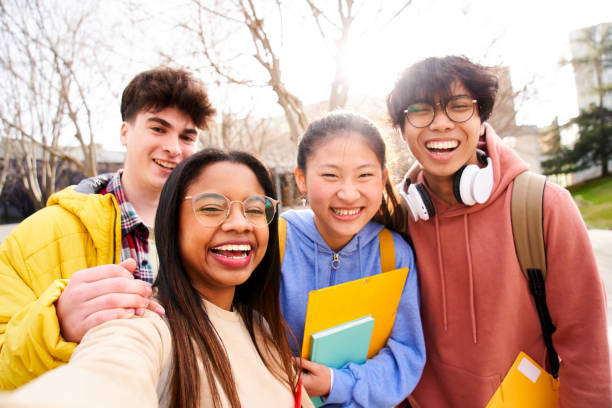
{"points": [[224, 342]]}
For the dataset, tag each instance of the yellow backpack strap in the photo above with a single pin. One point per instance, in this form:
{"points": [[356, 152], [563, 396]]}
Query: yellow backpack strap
{"points": [[387, 250], [282, 237]]}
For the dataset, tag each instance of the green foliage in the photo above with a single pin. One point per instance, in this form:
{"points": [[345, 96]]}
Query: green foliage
{"points": [[594, 199], [593, 147]]}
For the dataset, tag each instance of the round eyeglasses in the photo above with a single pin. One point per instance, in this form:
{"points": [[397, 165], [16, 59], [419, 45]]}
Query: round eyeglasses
{"points": [[458, 108], [211, 209]]}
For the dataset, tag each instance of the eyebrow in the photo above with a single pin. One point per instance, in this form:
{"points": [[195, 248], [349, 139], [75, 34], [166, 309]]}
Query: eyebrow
{"points": [[333, 166], [168, 125], [425, 100]]}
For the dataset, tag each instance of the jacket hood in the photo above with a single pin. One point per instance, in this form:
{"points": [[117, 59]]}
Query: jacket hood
{"points": [[95, 211], [501, 158], [303, 220], [320, 258]]}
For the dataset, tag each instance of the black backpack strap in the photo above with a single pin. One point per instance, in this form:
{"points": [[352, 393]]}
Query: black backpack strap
{"points": [[528, 231]]}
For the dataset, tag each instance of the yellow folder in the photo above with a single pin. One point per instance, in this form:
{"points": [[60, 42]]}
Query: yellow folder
{"points": [[376, 295], [527, 385]]}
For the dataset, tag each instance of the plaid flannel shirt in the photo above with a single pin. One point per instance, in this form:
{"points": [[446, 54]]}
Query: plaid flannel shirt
{"points": [[134, 233]]}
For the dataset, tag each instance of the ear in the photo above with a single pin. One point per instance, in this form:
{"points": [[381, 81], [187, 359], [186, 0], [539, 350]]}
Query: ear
{"points": [[300, 180], [482, 128], [401, 133], [385, 176], [123, 131]]}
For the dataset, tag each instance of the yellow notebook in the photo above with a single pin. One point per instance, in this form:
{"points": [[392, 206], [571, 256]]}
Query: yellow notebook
{"points": [[376, 295], [527, 385]]}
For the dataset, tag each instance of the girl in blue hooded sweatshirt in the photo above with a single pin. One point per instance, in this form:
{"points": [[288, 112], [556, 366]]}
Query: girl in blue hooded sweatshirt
{"points": [[341, 170]]}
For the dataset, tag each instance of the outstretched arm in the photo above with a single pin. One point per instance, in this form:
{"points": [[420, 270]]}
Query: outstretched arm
{"points": [[118, 364], [42, 316]]}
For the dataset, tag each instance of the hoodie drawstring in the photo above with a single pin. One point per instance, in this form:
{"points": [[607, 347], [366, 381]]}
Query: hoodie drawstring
{"points": [[468, 255], [316, 265], [442, 273]]}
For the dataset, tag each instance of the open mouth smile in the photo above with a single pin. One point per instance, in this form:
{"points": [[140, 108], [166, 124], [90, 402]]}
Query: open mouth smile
{"points": [[441, 146], [346, 212], [232, 251], [165, 164]]}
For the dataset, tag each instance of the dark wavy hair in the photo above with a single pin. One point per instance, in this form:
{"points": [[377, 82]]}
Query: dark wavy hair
{"points": [[257, 300], [165, 87], [339, 123], [433, 77]]}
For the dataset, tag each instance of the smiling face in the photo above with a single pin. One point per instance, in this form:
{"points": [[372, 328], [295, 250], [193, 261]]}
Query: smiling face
{"points": [[155, 143], [444, 146], [217, 259], [344, 182]]}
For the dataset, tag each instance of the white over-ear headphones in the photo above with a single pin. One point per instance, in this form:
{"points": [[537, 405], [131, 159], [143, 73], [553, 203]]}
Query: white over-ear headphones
{"points": [[471, 185]]}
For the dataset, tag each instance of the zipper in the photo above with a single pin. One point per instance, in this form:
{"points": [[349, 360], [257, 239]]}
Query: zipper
{"points": [[335, 263], [114, 234]]}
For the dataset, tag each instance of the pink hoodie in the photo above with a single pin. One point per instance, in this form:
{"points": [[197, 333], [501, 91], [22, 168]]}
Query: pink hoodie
{"points": [[477, 310]]}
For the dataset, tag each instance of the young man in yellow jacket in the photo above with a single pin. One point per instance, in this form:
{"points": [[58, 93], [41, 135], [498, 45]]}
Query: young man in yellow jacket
{"points": [[89, 256]]}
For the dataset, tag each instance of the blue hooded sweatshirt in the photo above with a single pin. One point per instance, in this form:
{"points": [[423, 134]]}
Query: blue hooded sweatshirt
{"points": [[390, 376]]}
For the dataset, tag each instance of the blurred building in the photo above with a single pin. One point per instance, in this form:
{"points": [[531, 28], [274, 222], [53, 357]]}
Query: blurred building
{"points": [[588, 80], [523, 139], [592, 64], [16, 204]]}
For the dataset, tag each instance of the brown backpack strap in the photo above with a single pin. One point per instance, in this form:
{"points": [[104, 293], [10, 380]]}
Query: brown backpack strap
{"points": [[527, 228], [282, 237], [387, 250]]}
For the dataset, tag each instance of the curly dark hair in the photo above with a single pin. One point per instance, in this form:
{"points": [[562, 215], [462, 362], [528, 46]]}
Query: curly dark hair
{"points": [[433, 77]]}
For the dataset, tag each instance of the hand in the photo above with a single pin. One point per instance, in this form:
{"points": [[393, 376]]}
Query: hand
{"points": [[316, 378], [96, 295]]}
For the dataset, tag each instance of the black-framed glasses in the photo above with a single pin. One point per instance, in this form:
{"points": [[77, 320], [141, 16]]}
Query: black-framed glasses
{"points": [[459, 108], [211, 209]]}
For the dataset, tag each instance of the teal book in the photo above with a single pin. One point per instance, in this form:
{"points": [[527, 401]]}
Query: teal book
{"points": [[346, 343]]}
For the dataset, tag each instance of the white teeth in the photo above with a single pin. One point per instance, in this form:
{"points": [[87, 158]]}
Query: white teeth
{"points": [[165, 164], [236, 257], [442, 144], [232, 247], [345, 212]]}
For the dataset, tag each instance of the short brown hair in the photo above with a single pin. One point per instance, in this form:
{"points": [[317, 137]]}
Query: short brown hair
{"points": [[165, 87], [433, 77]]}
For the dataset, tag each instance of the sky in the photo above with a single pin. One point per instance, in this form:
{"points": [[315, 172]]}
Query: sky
{"points": [[529, 36]]}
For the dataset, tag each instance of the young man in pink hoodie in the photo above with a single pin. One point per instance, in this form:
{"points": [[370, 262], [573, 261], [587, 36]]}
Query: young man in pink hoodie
{"points": [[477, 310]]}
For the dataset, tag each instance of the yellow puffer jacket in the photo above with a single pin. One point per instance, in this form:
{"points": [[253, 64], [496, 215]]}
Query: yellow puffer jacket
{"points": [[75, 231]]}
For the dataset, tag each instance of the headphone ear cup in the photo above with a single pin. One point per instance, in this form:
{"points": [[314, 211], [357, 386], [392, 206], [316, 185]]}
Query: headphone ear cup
{"points": [[483, 183], [472, 185], [457, 184], [429, 207], [465, 184], [419, 203]]}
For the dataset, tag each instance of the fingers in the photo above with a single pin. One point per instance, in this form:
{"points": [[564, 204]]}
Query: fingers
{"points": [[129, 265], [99, 294], [310, 366], [316, 378], [103, 316], [104, 272], [115, 301], [155, 307]]}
